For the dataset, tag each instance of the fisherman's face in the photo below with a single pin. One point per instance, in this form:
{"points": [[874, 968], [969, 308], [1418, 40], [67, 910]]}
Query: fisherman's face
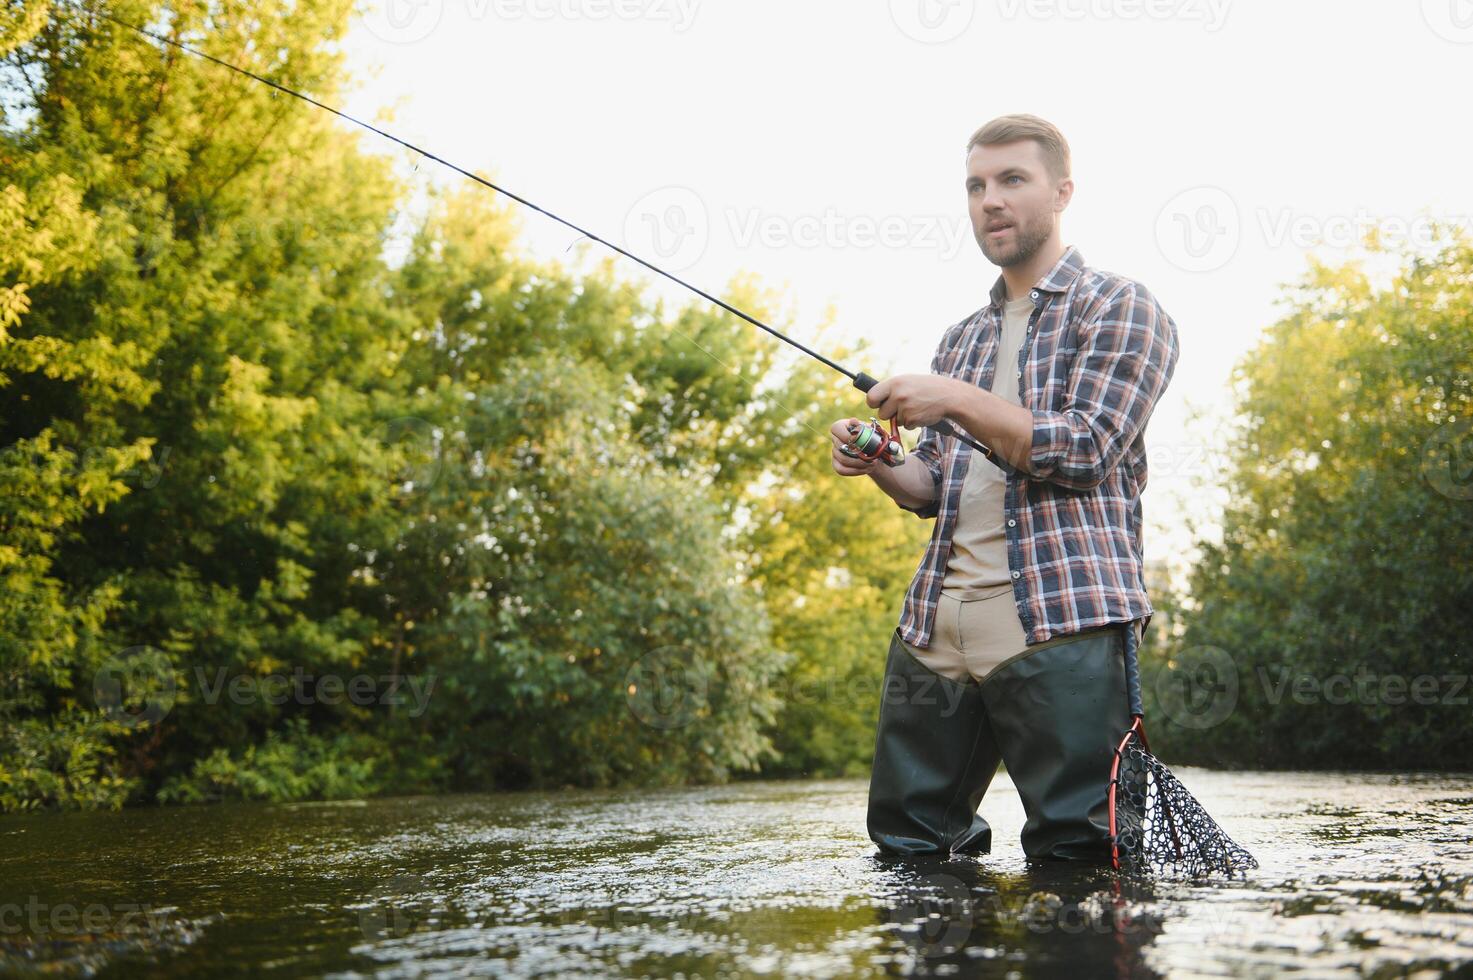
{"points": [[1013, 202]]}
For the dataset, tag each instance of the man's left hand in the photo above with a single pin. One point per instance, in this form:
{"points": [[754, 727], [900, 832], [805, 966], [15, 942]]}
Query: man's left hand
{"points": [[913, 400]]}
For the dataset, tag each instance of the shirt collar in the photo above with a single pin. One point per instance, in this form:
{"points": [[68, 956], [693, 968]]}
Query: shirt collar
{"points": [[1056, 280]]}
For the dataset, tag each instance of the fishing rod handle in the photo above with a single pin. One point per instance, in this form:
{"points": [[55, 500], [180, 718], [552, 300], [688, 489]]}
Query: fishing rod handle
{"points": [[943, 428]]}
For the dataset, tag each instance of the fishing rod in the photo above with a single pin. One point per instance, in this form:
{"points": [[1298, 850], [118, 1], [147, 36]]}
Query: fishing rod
{"points": [[869, 441]]}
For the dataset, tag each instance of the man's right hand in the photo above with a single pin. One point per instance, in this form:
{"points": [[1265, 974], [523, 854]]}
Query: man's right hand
{"points": [[849, 465]]}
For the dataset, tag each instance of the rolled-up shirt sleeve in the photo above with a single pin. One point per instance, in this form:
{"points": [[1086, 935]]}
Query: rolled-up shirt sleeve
{"points": [[928, 451], [1125, 360]]}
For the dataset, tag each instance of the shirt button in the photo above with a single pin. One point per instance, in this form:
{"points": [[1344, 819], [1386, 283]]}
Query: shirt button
{"points": [[1034, 294], [1015, 574], [1012, 523], [1020, 374]]}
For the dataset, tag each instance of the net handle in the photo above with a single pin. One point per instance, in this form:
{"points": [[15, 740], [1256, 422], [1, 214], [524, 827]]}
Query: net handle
{"points": [[1133, 669], [1133, 681]]}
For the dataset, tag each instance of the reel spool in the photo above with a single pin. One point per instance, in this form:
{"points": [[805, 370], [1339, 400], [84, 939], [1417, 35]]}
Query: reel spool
{"points": [[871, 441]]}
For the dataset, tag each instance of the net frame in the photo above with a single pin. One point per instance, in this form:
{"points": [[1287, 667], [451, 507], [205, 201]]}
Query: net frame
{"points": [[1156, 826]]}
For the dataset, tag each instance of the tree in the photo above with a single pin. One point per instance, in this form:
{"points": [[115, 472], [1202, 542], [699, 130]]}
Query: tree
{"points": [[239, 444], [1337, 581]]}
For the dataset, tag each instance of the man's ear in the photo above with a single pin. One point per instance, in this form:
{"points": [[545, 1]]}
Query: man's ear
{"points": [[1064, 193]]}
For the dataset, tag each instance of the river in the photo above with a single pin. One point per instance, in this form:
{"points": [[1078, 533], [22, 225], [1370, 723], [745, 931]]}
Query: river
{"points": [[1361, 875]]}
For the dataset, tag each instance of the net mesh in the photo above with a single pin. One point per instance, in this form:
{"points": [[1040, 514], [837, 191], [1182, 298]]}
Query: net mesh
{"points": [[1160, 828]]}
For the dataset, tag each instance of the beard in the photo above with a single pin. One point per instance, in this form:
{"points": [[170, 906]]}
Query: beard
{"points": [[1027, 240]]}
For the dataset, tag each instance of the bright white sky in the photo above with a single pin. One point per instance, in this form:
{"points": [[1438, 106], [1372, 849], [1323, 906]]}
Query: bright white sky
{"points": [[819, 145]]}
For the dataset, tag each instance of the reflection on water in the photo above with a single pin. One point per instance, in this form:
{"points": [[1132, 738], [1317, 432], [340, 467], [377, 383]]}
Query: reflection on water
{"points": [[1361, 874]]}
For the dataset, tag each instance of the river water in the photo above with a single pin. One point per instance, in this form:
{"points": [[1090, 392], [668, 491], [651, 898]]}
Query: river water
{"points": [[1361, 875]]}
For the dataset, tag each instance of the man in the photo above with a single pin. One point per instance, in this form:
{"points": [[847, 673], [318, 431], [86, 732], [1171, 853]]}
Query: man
{"points": [[1010, 641]]}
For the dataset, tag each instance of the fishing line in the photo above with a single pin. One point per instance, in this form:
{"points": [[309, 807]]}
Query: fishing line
{"points": [[861, 380]]}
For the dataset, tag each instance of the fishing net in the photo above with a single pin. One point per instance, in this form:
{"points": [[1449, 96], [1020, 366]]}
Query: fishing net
{"points": [[1157, 828]]}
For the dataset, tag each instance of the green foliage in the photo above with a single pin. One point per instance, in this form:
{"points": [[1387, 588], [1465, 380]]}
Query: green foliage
{"points": [[65, 760], [292, 764], [237, 444], [833, 558], [1343, 550]]}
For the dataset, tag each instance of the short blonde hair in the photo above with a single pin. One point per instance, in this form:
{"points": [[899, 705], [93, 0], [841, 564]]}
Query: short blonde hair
{"points": [[1021, 126]]}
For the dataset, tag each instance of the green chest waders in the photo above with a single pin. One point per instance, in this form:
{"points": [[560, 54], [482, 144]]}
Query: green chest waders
{"points": [[1053, 714], [934, 759]]}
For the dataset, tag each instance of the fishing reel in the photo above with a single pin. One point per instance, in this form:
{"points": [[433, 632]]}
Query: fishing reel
{"points": [[870, 441]]}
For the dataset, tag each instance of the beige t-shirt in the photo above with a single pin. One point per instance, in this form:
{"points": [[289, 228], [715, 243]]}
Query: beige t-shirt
{"points": [[978, 567]]}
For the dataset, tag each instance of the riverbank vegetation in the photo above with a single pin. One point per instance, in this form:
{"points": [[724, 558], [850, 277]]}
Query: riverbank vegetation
{"points": [[283, 516]]}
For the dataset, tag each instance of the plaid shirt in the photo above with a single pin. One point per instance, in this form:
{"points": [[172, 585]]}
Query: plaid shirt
{"points": [[1098, 353]]}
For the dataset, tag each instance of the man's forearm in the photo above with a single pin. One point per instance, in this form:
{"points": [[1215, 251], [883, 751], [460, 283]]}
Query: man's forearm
{"points": [[1002, 426], [908, 484]]}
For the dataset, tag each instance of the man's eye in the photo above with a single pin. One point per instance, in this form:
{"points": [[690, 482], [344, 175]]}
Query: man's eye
{"points": [[1015, 177]]}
